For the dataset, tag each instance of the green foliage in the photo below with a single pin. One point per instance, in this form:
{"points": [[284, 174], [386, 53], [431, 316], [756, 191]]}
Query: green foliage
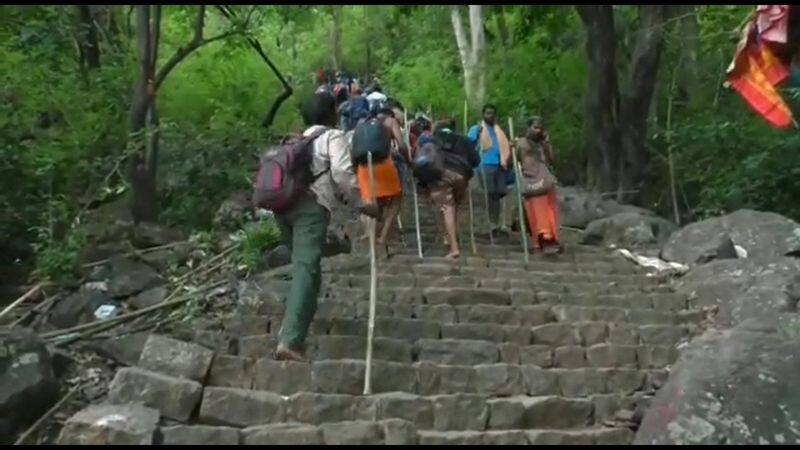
{"points": [[63, 129], [255, 239], [57, 252]]}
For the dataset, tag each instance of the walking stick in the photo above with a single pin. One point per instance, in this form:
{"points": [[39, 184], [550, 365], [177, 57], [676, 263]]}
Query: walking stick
{"points": [[373, 280], [485, 191], [413, 184], [518, 177], [469, 195]]}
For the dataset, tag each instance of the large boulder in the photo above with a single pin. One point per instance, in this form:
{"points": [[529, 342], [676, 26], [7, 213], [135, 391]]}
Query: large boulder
{"points": [[759, 234], [28, 385], [578, 207], [743, 288], [735, 386], [629, 229]]}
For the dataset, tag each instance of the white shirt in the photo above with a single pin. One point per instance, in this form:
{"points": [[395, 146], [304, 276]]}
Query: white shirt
{"points": [[336, 179]]}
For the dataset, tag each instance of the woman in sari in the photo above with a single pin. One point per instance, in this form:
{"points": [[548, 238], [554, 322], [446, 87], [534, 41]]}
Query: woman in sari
{"points": [[541, 210]]}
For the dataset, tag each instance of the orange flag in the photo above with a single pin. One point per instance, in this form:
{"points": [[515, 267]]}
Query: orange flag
{"points": [[755, 72]]}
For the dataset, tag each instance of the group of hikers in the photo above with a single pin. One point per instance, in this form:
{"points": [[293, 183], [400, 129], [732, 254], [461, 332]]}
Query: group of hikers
{"points": [[362, 164]]}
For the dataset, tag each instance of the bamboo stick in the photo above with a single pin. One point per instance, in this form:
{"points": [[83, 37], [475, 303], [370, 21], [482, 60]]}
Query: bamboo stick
{"points": [[24, 297], [518, 178], [130, 315], [413, 184], [46, 416], [373, 282], [469, 194]]}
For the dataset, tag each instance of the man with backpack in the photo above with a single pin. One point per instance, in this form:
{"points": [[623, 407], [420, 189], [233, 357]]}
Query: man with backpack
{"points": [[444, 166], [377, 136], [302, 183], [496, 154], [357, 110]]}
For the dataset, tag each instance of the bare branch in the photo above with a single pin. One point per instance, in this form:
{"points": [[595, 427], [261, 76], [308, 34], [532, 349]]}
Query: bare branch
{"points": [[199, 24], [185, 50], [287, 88], [182, 53]]}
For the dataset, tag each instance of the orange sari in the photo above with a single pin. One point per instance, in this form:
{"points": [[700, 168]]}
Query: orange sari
{"points": [[543, 218]]}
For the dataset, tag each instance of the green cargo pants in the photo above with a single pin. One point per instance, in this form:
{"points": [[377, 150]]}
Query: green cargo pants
{"points": [[303, 229]]}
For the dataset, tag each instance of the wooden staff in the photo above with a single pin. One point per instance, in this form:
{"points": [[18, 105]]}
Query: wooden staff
{"points": [[469, 194], [485, 189], [373, 280], [413, 184], [518, 178]]}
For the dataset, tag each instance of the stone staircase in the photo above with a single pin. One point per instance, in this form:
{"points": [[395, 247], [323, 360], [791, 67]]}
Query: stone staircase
{"points": [[486, 350]]}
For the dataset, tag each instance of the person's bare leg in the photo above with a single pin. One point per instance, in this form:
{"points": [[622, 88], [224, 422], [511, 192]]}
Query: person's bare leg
{"points": [[450, 225], [390, 211]]}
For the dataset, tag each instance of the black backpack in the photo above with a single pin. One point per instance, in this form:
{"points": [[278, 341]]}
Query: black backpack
{"points": [[429, 162], [370, 136], [460, 153]]}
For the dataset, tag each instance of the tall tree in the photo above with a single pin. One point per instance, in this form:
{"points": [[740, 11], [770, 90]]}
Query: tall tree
{"points": [[336, 36], [88, 42], [144, 113], [473, 53], [616, 118]]}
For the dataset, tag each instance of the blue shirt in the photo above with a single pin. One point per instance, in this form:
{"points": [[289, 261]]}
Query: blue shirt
{"points": [[490, 157]]}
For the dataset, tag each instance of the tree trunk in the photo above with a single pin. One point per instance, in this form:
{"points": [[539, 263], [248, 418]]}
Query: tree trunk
{"points": [[143, 161], [502, 26], [636, 98], [472, 53], [88, 45], [689, 30], [602, 97], [336, 36]]}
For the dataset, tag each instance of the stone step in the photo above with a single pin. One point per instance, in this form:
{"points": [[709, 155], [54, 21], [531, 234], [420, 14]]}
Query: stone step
{"points": [[477, 266], [264, 301], [346, 376], [389, 432], [443, 413], [588, 436], [544, 333]]}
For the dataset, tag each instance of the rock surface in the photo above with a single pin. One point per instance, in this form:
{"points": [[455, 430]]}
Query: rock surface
{"points": [[629, 230], [127, 424], [27, 383], [760, 234]]}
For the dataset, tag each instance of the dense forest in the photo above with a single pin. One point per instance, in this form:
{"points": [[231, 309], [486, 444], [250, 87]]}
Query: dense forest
{"points": [[170, 105]]}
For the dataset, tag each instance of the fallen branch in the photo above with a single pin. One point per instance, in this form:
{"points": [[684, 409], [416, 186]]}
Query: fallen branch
{"points": [[206, 264], [131, 315], [134, 253], [46, 416], [24, 297], [44, 305]]}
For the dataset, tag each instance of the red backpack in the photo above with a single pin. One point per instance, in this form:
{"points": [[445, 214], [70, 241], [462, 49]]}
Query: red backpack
{"points": [[284, 173]]}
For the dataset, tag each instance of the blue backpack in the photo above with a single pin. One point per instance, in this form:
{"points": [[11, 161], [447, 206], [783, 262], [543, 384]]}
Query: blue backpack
{"points": [[356, 112]]}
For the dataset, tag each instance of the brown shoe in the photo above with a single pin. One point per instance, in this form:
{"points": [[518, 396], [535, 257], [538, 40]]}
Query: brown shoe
{"points": [[285, 353]]}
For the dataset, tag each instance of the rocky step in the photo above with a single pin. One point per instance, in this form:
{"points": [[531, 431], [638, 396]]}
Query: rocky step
{"points": [[471, 351], [177, 399], [268, 315], [343, 376], [589, 436], [534, 277], [256, 298]]}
